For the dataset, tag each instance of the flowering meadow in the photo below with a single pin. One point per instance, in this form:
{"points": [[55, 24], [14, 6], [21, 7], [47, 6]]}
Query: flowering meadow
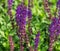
{"points": [[29, 25]]}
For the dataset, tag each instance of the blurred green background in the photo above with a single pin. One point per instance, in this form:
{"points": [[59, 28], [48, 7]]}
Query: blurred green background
{"points": [[39, 22]]}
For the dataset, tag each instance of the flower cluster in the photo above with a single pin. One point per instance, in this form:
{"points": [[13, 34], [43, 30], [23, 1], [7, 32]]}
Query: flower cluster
{"points": [[54, 30], [21, 14], [58, 3], [10, 2], [37, 40], [55, 26]]}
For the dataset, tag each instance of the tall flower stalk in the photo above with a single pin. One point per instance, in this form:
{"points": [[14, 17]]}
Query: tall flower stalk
{"points": [[36, 41], [29, 15], [10, 2], [21, 14], [54, 30]]}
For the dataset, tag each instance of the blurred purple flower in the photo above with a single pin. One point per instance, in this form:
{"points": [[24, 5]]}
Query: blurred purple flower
{"points": [[53, 25], [29, 13], [37, 40], [10, 2], [58, 3], [54, 30], [21, 13]]}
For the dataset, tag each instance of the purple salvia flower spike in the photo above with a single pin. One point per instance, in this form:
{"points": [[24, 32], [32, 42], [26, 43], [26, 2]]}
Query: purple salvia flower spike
{"points": [[21, 14], [36, 41], [58, 3], [53, 25], [54, 31], [10, 2]]}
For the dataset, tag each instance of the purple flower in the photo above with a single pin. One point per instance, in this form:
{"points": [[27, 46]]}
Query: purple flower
{"points": [[29, 13], [58, 2], [37, 40], [10, 2], [21, 13], [53, 25], [54, 30]]}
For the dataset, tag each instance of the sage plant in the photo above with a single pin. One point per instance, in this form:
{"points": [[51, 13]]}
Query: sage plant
{"points": [[21, 14], [10, 2]]}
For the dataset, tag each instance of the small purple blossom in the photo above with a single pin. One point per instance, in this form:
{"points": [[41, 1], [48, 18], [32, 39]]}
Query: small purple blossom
{"points": [[10, 2]]}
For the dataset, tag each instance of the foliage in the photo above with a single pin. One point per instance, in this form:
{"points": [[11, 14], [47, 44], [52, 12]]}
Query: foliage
{"points": [[39, 22]]}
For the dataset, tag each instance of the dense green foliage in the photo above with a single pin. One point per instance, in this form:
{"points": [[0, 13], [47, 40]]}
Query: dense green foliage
{"points": [[39, 22]]}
